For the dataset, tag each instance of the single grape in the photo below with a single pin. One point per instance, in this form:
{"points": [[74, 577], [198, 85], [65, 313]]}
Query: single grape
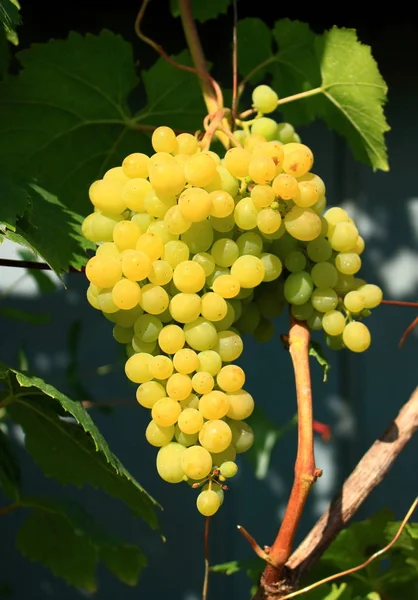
{"points": [[264, 99], [229, 469], [208, 503], [356, 336]]}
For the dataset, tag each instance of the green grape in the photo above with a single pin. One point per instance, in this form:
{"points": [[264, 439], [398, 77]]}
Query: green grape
{"points": [[200, 169], [249, 319], [302, 312], [250, 243], [200, 334], [215, 487], [222, 204], [355, 301], [295, 261], [324, 299], [298, 159], [190, 420], [137, 367], [226, 286], [103, 271], [161, 272], [186, 361], [165, 412], [225, 252], [195, 204], [209, 361], [285, 186], [179, 386], [196, 462], [208, 503], [171, 339], [123, 335], [229, 345], [175, 221], [154, 299], [185, 439], [136, 165], [241, 405], [285, 132], [262, 196], [161, 367], [147, 328], [189, 277], [230, 378], [249, 270], [303, 223], [214, 404], [140, 346], [345, 283], [175, 252], [228, 319], [266, 127], [149, 393], [206, 261], [213, 307], [262, 169], [164, 140], [268, 220], [203, 382], [372, 294], [324, 274], [215, 436], [158, 436], [333, 322], [229, 469], [315, 321], [151, 244], [348, 263], [199, 236], [186, 143], [237, 161], [169, 462], [343, 237], [356, 336], [264, 331], [298, 288], [106, 195], [245, 214], [335, 342], [264, 99], [136, 265], [228, 454], [242, 436]]}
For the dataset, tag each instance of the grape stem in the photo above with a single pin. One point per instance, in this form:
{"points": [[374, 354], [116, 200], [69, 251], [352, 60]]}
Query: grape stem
{"points": [[367, 475], [206, 555], [305, 471], [211, 89]]}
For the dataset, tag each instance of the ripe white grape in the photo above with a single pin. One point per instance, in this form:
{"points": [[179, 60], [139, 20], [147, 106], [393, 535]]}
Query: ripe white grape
{"points": [[264, 99]]}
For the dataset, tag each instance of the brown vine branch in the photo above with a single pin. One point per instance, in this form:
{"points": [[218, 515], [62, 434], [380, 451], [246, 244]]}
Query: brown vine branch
{"points": [[305, 470], [211, 90], [254, 545], [206, 555], [400, 303], [364, 564], [407, 331], [367, 475], [234, 65]]}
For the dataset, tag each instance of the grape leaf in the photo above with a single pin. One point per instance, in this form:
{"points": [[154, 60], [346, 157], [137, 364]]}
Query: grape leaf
{"points": [[9, 312], [14, 200], [202, 11], [65, 117], [51, 231], [250, 54], [72, 450], [10, 18], [9, 468], [340, 77], [266, 436], [65, 538]]}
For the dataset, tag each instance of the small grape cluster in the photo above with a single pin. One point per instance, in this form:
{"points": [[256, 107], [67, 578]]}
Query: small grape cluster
{"points": [[193, 252]]}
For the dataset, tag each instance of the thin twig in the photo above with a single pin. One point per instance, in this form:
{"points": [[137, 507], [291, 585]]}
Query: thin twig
{"points": [[364, 564], [234, 65], [5, 510], [206, 555], [400, 303], [158, 48], [254, 545], [407, 331]]}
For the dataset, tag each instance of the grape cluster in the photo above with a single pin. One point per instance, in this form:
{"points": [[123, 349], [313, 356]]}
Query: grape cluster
{"points": [[193, 252]]}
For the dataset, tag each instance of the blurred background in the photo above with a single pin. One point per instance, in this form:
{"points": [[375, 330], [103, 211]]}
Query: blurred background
{"points": [[71, 346]]}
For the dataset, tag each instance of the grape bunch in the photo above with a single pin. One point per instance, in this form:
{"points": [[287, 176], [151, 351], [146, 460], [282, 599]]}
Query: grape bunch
{"points": [[194, 251]]}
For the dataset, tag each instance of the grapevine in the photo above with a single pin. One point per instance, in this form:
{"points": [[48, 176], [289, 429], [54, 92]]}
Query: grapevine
{"points": [[197, 249]]}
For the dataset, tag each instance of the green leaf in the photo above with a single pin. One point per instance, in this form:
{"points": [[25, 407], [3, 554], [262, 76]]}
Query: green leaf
{"points": [[14, 200], [338, 592], [9, 468], [51, 231], [353, 108], [250, 54], [65, 538], [266, 436], [79, 89], [339, 76], [252, 567], [316, 350], [9, 312], [72, 451], [9, 14], [202, 11]]}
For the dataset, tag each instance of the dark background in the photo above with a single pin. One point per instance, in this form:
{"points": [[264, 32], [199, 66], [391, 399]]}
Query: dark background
{"points": [[363, 393]]}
